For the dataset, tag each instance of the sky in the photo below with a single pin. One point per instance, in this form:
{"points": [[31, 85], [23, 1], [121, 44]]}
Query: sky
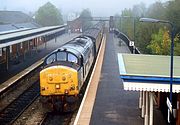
{"points": [[97, 7]]}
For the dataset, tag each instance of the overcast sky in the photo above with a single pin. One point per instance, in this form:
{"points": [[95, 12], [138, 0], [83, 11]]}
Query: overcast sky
{"points": [[97, 7]]}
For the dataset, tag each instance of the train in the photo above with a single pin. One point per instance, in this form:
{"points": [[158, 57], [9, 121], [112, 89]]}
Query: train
{"points": [[66, 69]]}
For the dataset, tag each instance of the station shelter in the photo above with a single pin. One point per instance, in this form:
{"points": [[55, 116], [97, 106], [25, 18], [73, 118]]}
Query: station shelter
{"points": [[17, 43], [149, 74]]}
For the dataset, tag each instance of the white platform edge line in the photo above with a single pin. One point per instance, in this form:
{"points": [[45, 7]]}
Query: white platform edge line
{"points": [[87, 89], [122, 69]]}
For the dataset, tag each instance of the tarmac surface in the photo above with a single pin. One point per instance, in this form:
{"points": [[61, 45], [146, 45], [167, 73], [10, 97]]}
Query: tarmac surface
{"points": [[113, 105], [35, 56]]}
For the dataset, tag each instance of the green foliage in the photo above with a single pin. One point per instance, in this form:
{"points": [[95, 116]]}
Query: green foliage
{"points": [[160, 43], [176, 46], [173, 13], [85, 16], [157, 11], [85, 13], [127, 23], [143, 33], [139, 10], [48, 15], [152, 38]]}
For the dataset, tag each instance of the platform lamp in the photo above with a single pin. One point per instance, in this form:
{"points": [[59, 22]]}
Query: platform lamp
{"points": [[151, 20]]}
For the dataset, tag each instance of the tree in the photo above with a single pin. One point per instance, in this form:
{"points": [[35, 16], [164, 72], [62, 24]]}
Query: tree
{"points": [[85, 16], [144, 40], [48, 15], [157, 11], [127, 23], [161, 42], [139, 10], [173, 13]]}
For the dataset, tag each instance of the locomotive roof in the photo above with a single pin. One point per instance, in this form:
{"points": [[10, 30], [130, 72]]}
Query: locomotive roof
{"points": [[93, 32], [77, 46]]}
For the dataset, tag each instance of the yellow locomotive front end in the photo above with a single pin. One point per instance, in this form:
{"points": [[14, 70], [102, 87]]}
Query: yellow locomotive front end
{"points": [[58, 80]]}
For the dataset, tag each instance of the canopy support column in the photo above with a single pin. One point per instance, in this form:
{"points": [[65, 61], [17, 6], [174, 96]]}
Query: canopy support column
{"points": [[151, 109], [146, 118], [140, 99], [143, 105]]}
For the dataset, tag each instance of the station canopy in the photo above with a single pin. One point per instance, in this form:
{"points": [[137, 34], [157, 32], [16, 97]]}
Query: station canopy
{"points": [[148, 72], [18, 36]]}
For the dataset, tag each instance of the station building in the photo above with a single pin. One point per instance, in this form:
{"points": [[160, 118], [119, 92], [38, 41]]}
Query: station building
{"points": [[20, 36]]}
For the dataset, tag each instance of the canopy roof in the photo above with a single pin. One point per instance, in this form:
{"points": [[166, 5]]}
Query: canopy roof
{"points": [[148, 72]]}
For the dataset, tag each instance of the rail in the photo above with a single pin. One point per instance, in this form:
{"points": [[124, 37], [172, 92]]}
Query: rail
{"points": [[7, 85], [19, 105]]}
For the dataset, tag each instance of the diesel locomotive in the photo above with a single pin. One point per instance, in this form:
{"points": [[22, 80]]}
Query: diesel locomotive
{"points": [[66, 68]]}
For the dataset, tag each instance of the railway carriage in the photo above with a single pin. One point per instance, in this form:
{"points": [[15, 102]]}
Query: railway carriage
{"points": [[66, 68]]}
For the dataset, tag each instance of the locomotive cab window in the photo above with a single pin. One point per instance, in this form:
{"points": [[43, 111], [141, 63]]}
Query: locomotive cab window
{"points": [[51, 59], [72, 58], [61, 56]]}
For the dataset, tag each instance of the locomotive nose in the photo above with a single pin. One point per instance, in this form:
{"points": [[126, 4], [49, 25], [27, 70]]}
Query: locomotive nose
{"points": [[58, 80]]}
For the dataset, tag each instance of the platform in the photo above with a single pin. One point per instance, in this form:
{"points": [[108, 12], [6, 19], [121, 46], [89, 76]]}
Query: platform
{"points": [[111, 104]]}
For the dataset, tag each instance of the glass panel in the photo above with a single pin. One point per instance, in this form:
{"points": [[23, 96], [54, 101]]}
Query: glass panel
{"points": [[51, 59], [72, 58], [61, 56]]}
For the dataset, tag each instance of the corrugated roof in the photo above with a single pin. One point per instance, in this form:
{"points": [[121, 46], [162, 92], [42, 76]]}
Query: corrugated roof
{"points": [[21, 36], [19, 26], [10, 17]]}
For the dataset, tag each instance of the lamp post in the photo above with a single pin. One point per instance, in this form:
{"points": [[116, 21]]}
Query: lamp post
{"points": [[151, 20]]}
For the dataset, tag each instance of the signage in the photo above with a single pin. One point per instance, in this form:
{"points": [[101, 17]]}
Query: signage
{"points": [[131, 43], [169, 105]]}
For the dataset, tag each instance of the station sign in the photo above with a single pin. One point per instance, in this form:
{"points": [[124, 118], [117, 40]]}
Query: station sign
{"points": [[169, 105], [131, 43]]}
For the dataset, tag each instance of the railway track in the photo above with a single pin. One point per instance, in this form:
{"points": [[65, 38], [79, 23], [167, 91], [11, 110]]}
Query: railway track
{"points": [[54, 118], [9, 114]]}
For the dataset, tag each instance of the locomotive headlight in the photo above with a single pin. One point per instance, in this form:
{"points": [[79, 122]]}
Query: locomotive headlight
{"points": [[66, 91], [57, 86]]}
